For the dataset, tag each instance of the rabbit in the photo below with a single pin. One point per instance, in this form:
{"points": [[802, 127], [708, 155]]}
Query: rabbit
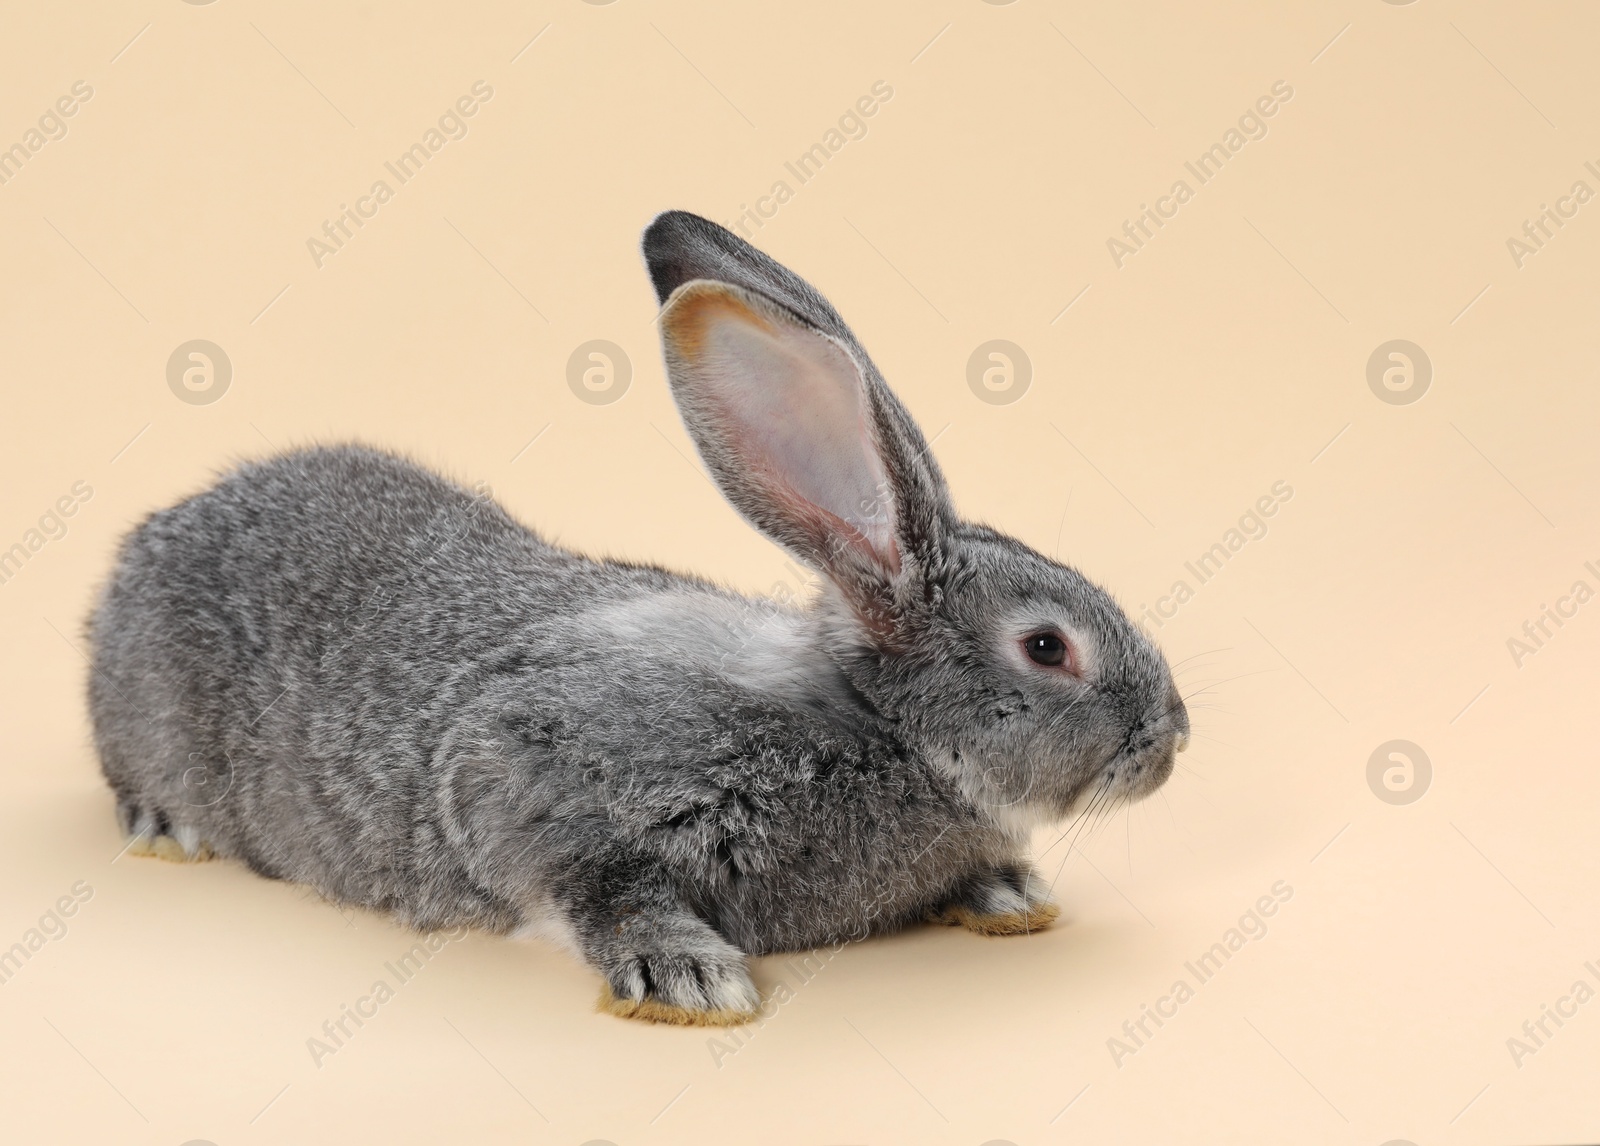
{"points": [[346, 671]]}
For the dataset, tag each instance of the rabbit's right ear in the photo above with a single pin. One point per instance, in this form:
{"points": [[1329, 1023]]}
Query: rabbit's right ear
{"points": [[810, 446]]}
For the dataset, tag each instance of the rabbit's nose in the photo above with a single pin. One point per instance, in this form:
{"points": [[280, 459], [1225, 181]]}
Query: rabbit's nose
{"points": [[1182, 742]]}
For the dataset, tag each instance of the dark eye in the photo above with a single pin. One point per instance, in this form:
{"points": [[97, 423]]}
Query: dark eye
{"points": [[1047, 648]]}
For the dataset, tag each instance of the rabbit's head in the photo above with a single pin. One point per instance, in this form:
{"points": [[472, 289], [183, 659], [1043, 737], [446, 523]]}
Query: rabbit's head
{"points": [[1017, 674]]}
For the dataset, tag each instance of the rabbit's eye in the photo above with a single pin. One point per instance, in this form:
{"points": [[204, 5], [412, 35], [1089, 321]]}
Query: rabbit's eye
{"points": [[1047, 648]]}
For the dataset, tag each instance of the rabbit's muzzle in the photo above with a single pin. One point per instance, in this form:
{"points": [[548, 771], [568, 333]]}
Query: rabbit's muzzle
{"points": [[1150, 752]]}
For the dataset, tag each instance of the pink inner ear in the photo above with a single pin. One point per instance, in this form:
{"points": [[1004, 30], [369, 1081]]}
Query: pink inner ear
{"points": [[793, 404]]}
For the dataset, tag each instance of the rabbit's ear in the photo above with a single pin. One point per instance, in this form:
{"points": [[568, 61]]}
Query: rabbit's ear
{"points": [[809, 445], [680, 247]]}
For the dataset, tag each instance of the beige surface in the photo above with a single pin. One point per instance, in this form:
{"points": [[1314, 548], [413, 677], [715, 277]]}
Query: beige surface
{"points": [[1227, 355]]}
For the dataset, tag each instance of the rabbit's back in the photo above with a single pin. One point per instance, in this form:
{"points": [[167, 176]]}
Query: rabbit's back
{"points": [[278, 660]]}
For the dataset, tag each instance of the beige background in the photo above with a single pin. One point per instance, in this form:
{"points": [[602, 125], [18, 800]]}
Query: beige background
{"points": [[1227, 355]]}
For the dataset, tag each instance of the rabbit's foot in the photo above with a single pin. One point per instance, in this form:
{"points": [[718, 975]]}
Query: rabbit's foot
{"points": [[673, 968], [1012, 901], [183, 846]]}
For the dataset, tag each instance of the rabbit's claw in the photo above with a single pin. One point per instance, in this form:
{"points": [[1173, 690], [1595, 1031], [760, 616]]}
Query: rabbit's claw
{"points": [[156, 835], [170, 848]]}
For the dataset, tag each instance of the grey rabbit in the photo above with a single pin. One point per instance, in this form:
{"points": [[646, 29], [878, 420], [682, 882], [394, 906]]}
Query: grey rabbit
{"points": [[349, 672]]}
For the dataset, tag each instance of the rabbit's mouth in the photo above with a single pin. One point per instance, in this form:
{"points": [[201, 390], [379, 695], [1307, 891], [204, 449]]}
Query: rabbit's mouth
{"points": [[1136, 772], [1149, 753]]}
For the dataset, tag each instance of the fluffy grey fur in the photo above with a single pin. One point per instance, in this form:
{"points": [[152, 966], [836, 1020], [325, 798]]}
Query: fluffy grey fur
{"points": [[346, 671]]}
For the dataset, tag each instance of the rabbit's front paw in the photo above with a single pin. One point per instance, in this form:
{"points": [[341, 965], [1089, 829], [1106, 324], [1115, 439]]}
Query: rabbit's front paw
{"points": [[1011, 901], [183, 845], [676, 969]]}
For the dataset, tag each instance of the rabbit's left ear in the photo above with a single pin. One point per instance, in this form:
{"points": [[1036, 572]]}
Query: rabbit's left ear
{"points": [[809, 445]]}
